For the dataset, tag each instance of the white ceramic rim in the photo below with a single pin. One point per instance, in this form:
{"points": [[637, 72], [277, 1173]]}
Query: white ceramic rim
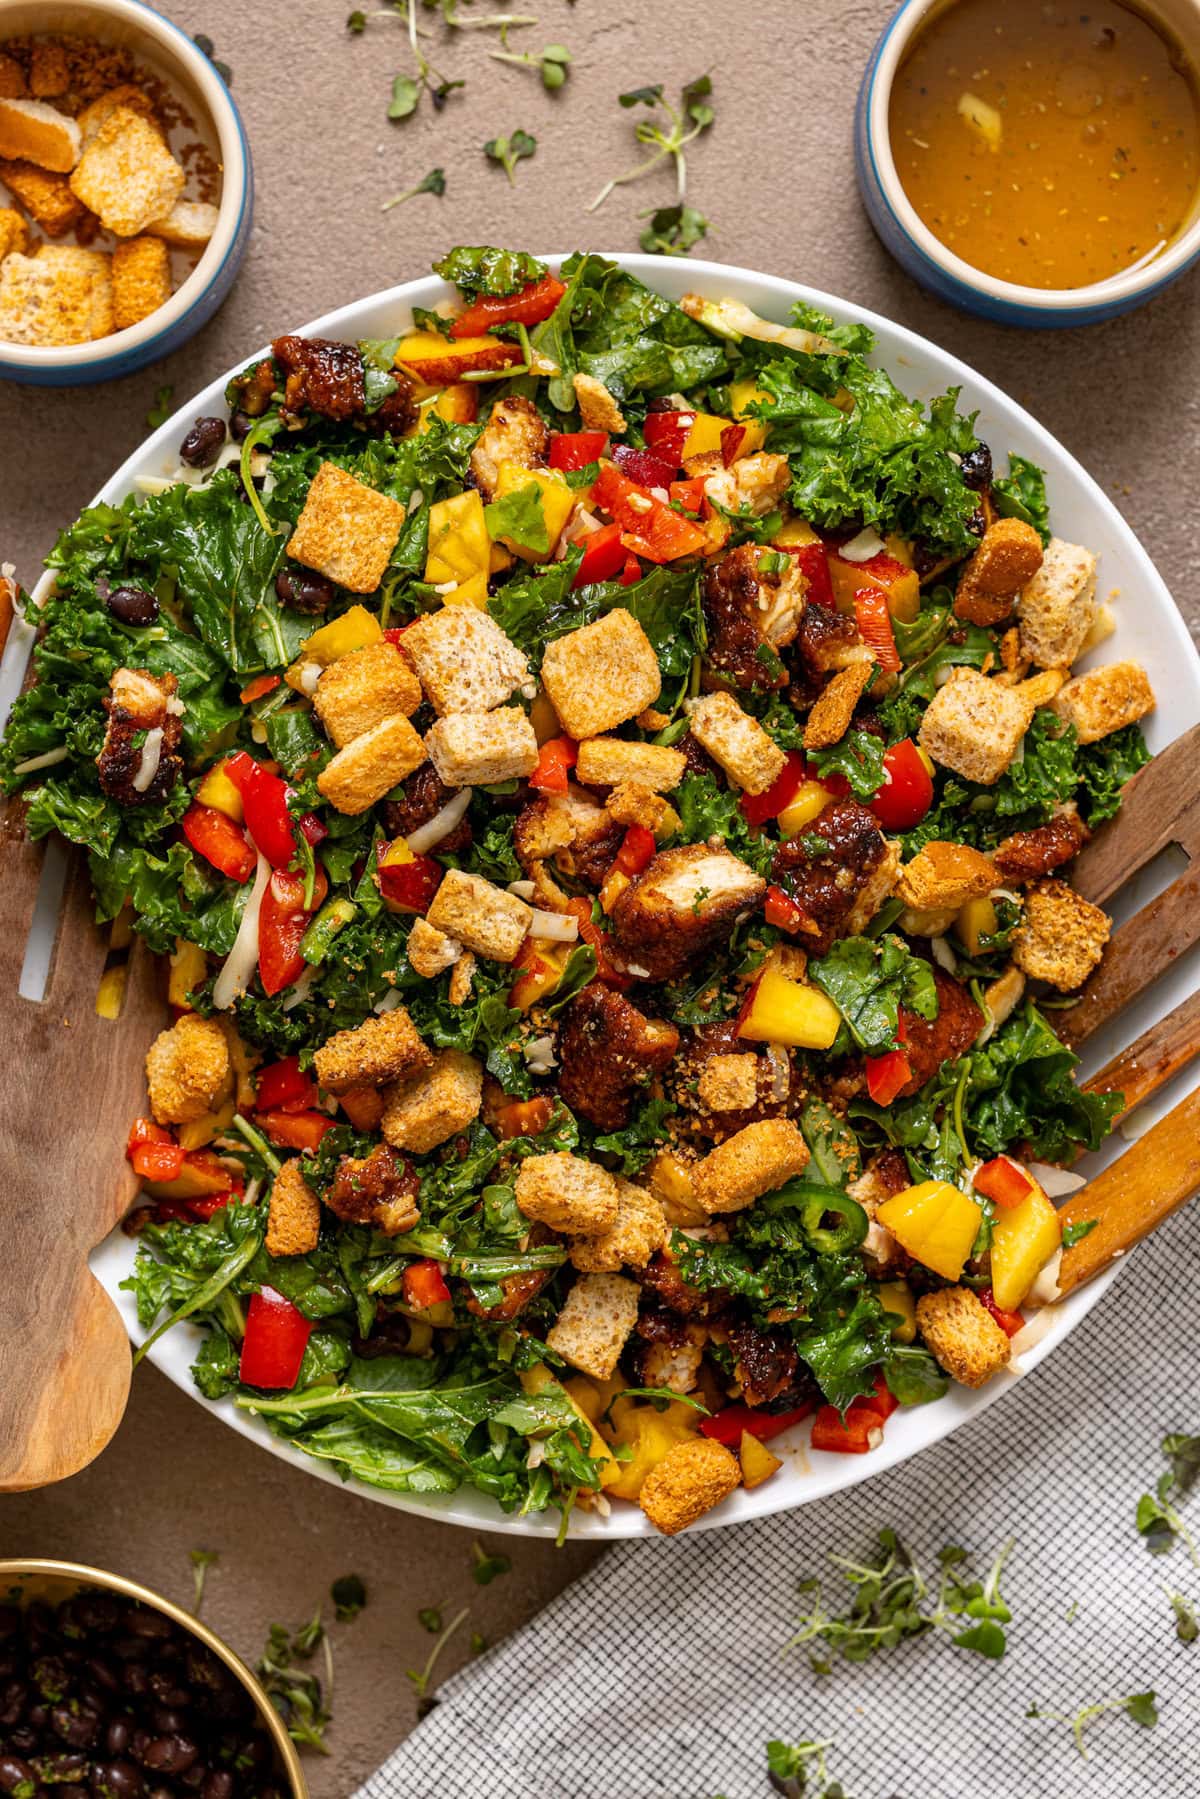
{"points": [[223, 115], [1117, 287], [808, 1476]]}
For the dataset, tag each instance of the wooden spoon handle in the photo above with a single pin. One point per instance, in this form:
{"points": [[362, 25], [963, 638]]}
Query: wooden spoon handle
{"points": [[1133, 1196], [1156, 1056]]}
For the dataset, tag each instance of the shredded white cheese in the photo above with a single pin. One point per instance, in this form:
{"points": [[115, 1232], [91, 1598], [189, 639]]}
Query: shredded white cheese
{"points": [[310, 674], [868, 543], [151, 755], [242, 959], [46, 760], [555, 927], [441, 824]]}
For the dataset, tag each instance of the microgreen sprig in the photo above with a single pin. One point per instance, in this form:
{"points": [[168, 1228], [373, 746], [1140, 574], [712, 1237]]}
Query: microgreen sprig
{"points": [[433, 183], [684, 124], [509, 151], [553, 63], [1138, 1706]]}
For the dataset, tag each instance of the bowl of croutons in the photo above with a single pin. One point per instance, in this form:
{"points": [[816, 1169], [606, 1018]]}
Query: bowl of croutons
{"points": [[126, 189]]}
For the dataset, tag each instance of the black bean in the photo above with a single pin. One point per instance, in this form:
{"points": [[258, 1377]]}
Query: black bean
{"points": [[117, 1780], [14, 1697], [24, 1739], [142, 1622], [172, 1754], [194, 1779], [76, 1724], [102, 1673], [166, 1689], [203, 443], [302, 591], [97, 1612], [976, 467], [218, 1784], [13, 1772], [136, 1678], [10, 1621], [37, 1715], [62, 1767], [166, 1718], [116, 1737], [133, 605]]}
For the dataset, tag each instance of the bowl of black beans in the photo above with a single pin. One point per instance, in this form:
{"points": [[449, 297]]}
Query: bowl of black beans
{"points": [[109, 1691]]}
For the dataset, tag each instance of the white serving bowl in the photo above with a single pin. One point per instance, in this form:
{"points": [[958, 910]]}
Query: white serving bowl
{"points": [[1149, 627]]}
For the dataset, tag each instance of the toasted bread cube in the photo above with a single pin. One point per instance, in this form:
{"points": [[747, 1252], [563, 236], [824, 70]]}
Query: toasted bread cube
{"points": [[429, 950], [755, 1160], [188, 225], [370, 766], [97, 267], [346, 530], [962, 1335], [595, 1323], [126, 175], [1057, 608], [750, 758], [601, 675], [32, 131], [568, 1193], [974, 726], [1104, 700], [633, 804], [729, 1083], [1041, 688], [1009, 556], [458, 992], [465, 662], [46, 198], [432, 1106], [830, 717], [100, 110], [597, 408], [141, 271], [13, 235], [41, 304], [380, 1049], [1061, 936], [12, 78], [488, 920], [944, 876], [187, 1070], [49, 75], [358, 691], [293, 1214], [691, 1479], [609, 761], [639, 1230], [470, 749]]}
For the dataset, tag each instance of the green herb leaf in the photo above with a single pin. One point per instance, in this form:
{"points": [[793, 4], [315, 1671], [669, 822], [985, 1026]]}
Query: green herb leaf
{"points": [[673, 230], [1022, 494], [868, 980], [433, 183], [406, 93], [481, 269], [520, 518], [164, 405], [509, 151]]}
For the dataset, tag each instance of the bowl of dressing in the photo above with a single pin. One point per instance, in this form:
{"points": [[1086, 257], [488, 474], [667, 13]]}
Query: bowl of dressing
{"points": [[1035, 162]]}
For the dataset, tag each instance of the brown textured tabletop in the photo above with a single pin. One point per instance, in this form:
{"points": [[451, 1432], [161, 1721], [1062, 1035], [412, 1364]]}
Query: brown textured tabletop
{"points": [[775, 177]]}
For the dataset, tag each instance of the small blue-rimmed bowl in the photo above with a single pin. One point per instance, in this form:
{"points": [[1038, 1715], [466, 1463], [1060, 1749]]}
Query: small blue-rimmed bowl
{"points": [[928, 260], [170, 54]]}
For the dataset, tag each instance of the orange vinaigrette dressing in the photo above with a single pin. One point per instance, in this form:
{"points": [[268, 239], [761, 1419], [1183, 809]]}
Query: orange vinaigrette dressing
{"points": [[1045, 144]]}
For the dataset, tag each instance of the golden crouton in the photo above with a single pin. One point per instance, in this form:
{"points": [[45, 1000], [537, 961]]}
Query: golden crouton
{"points": [[514, 432], [962, 1335], [12, 78], [32, 131], [1061, 937], [488, 920], [750, 758], [690, 1480], [430, 951], [102, 109], [632, 804], [97, 267], [141, 272], [430, 1107], [13, 235], [601, 675], [729, 1083], [458, 992], [187, 1070], [358, 691], [608, 761], [188, 225], [41, 304], [830, 717], [293, 1214], [380, 1049], [568, 1193], [944, 876], [370, 766], [126, 175], [974, 726], [46, 198], [597, 408], [346, 530], [1009, 555], [595, 1323], [464, 661], [1058, 606], [471, 749], [639, 1231], [49, 75], [1104, 700], [755, 1160]]}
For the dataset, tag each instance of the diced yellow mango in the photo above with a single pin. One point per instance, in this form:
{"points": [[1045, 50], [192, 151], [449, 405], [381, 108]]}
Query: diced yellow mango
{"points": [[705, 434], [592, 1397], [809, 799], [458, 539], [1023, 1240], [457, 404], [671, 1177], [794, 535], [896, 1297], [120, 931], [558, 502], [469, 593], [975, 920], [202, 1130], [935, 1223], [926, 761], [354, 629], [194, 1181], [539, 1379], [650, 1434], [615, 883], [544, 719], [110, 994], [499, 559], [899, 547], [743, 394], [216, 789], [757, 1462], [790, 1012], [189, 965], [536, 979]]}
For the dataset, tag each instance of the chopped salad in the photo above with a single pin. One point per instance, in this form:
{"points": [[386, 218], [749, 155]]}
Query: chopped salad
{"points": [[602, 774]]}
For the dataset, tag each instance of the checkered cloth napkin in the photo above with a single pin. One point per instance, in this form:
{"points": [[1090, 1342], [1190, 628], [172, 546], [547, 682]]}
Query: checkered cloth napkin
{"points": [[663, 1672]]}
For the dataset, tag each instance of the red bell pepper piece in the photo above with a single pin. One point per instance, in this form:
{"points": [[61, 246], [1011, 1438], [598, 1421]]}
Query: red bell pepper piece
{"points": [[264, 800], [648, 526], [156, 1161], [599, 941], [886, 1075], [555, 757], [781, 910], [216, 837], [691, 496], [276, 1338], [731, 443], [571, 450], [631, 574], [864, 1416], [282, 922], [883, 1400], [757, 808], [295, 1130], [411, 884], [202, 1209], [727, 1425], [255, 689], [666, 433], [423, 1286], [814, 566], [604, 555], [644, 467], [281, 1087], [1010, 1322], [636, 851], [874, 623], [395, 633], [535, 302], [907, 791], [144, 1130], [1002, 1181], [311, 828]]}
